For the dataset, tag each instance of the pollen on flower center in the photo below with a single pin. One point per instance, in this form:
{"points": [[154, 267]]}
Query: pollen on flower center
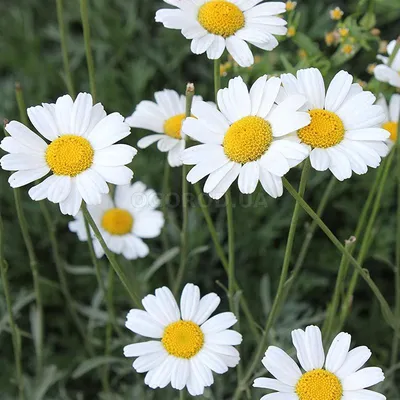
{"points": [[173, 126], [221, 17], [69, 155], [319, 384], [183, 339], [325, 130], [391, 127], [117, 221], [247, 139]]}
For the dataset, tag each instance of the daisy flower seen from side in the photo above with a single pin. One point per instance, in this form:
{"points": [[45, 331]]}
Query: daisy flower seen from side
{"points": [[124, 221], [245, 139], [82, 155], [164, 117], [392, 116], [212, 25], [188, 345], [344, 135], [338, 376], [384, 72]]}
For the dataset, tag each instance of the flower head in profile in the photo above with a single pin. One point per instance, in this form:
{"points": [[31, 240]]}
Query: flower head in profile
{"points": [[384, 72], [392, 115], [124, 221], [79, 151], [188, 345], [213, 25], [338, 376], [344, 135], [245, 139], [165, 118]]}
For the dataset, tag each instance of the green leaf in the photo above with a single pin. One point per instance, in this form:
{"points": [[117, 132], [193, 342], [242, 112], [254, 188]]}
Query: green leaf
{"points": [[162, 260], [93, 363]]}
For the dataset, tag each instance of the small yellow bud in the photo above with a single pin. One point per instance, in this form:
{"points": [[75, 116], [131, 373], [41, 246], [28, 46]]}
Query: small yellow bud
{"points": [[383, 46], [370, 68], [224, 68], [363, 84], [375, 31], [343, 32], [336, 14], [291, 31], [302, 53], [329, 38], [347, 49], [291, 5], [257, 59]]}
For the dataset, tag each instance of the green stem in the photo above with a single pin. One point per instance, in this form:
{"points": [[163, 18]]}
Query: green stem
{"points": [[51, 229], [15, 333], [386, 311], [224, 261], [332, 309], [394, 52], [381, 178], [395, 345], [280, 293], [111, 257], [217, 77], [164, 208], [185, 200], [231, 248], [64, 48], [182, 395], [88, 49]]}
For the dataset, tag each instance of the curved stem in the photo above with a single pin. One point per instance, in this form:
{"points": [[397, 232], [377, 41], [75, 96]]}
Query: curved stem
{"points": [[64, 48], [111, 257], [281, 292], [15, 333], [88, 49]]}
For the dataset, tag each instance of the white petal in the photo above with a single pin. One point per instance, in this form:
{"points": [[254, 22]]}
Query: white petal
{"points": [[201, 44], [180, 374], [362, 395], [190, 301], [208, 304], [273, 384], [386, 74], [196, 154], [155, 309], [280, 396], [225, 183], [143, 324], [211, 117], [227, 337], [142, 349], [208, 167], [165, 296], [60, 189], [339, 164], [198, 130], [372, 134], [338, 90], [240, 51], [175, 154], [26, 137], [149, 140], [219, 323], [63, 112], [338, 352], [311, 83], [212, 361], [81, 113], [21, 178], [248, 177], [319, 159], [394, 107], [72, 204], [363, 378], [149, 361], [115, 155], [274, 162], [355, 359], [169, 102], [90, 186], [271, 183], [161, 375], [40, 191], [261, 106], [44, 121], [217, 48], [116, 175]]}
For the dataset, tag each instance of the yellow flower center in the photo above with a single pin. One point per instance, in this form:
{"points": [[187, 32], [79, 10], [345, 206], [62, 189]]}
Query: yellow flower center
{"points": [[347, 49], [183, 339], [291, 31], [247, 139], [325, 129], [117, 221], [319, 384], [391, 127], [69, 155], [221, 17], [173, 126]]}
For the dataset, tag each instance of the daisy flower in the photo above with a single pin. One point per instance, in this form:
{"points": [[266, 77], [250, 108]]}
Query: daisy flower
{"points": [[165, 117], [338, 376], [344, 134], [392, 115], [189, 345], [245, 139], [213, 25], [81, 155], [391, 74], [124, 222]]}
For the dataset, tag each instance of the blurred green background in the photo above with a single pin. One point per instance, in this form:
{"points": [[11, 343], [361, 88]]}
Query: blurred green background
{"points": [[134, 57]]}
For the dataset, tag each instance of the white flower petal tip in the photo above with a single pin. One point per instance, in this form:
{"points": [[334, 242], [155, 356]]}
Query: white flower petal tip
{"points": [[343, 135], [165, 118], [341, 370], [189, 345], [213, 26], [240, 140], [124, 221], [81, 153], [389, 73]]}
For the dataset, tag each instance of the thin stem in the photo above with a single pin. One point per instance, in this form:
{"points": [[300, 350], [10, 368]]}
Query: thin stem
{"points": [[88, 49], [380, 182], [394, 52], [111, 257], [281, 292], [231, 248], [224, 261], [64, 48], [51, 229], [332, 309], [164, 208], [386, 311], [185, 201], [182, 395], [15, 333], [395, 345], [217, 77]]}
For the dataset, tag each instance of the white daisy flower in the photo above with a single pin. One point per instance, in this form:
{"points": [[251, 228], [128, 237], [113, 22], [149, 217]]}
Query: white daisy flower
{"points": [[164, 117], [392, 115], [338, 376], [124, 222], [81, 155], [189, 345], [213, 25], [245, 139], [344, 134], [391, 74]]}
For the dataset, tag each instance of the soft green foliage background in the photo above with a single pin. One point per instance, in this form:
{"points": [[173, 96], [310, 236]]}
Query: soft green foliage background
{"points": [[135, 57]]}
